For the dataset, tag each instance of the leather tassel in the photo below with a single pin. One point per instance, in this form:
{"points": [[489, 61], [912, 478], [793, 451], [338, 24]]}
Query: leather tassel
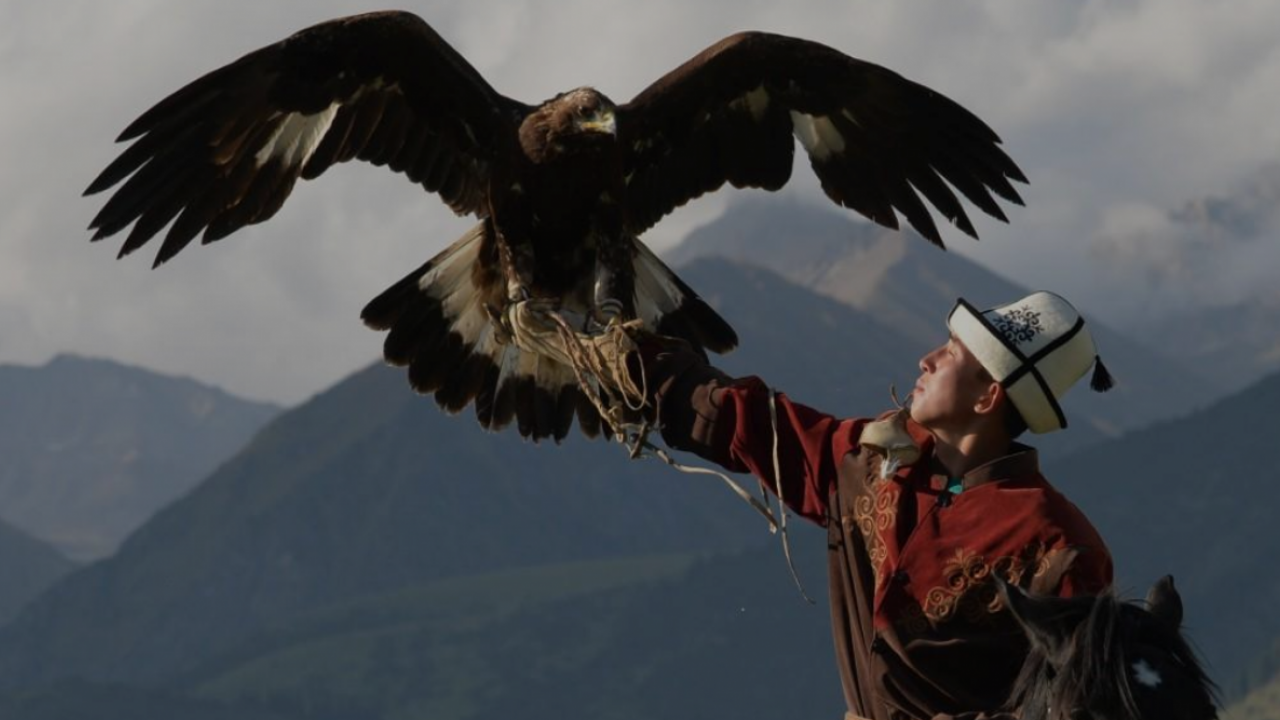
{"points": [[1102, 380]]}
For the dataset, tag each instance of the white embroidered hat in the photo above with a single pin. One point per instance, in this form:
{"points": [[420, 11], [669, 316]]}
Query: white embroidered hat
{"points": [[1036, 348]]}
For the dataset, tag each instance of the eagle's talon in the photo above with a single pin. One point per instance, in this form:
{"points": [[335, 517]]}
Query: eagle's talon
{"points": [[502, 329], [518, 293], [608, 312]]}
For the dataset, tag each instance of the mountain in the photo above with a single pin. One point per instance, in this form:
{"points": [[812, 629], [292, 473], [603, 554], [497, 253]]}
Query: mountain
{"points": [[675, 637], [649, 638], [77, 699], [1204, 273], [368, 488], [92, 447], [1196, 498], [28, 566], [1237, 340], [910, 286], [365, 548], [1256, 691], [1259, 696]]}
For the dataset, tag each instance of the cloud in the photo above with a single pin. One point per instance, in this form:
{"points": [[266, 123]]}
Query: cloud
{"points": [[1213, 250], [1109, 106]]}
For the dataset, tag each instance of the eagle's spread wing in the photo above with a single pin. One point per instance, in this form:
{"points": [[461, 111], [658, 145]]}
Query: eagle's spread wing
{"points": [[225, 151], [876, 140]]}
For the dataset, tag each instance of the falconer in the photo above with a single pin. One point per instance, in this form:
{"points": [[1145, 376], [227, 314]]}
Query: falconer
{"points": [[924, 507]]}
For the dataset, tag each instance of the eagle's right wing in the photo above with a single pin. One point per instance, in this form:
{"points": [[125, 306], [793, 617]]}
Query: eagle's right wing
{"points": [[877, 141], [225, 151]]}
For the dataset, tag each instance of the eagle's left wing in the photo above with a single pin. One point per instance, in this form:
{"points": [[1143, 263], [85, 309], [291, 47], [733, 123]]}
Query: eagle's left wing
{"points": [[226, 150], [876, 140]]}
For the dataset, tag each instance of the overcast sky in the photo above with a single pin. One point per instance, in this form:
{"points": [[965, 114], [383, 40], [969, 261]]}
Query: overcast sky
{"points": [[1121, 112]]}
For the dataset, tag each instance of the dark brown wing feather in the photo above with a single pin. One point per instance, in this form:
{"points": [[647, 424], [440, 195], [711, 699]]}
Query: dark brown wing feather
{"points": [[392, 91], [729, 115]]}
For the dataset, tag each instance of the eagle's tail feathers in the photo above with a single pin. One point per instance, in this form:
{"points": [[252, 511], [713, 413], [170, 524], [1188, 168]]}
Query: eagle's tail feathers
{"points": [[588, 417], [440, 277], [439, 326], [466, 382], [670, 306], [495, 405]]}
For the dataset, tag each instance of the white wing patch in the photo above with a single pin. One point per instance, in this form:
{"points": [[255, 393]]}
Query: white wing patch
{"points": [[296, 138], [453, 266], [656, 292], [450, 282], [817, 134], [756, 102], [553, 376], [507, 360], [1147, 675]]}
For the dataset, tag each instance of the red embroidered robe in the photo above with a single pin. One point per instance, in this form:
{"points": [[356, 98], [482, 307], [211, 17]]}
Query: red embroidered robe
{"points": [[917, 623]]}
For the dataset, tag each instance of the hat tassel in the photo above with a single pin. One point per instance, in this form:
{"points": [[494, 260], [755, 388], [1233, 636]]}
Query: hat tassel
{"points": [[1102, 380]]}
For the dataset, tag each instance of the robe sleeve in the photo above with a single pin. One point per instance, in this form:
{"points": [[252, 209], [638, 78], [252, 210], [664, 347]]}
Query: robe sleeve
{"points": [[1091, 572], [727, 421]]}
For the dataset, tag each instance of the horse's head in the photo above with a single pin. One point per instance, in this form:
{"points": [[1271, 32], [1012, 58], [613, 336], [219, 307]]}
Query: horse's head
{"points": [[1098, 658]]}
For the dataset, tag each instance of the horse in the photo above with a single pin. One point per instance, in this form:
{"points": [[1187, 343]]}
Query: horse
{"points": [[1102, 658]]}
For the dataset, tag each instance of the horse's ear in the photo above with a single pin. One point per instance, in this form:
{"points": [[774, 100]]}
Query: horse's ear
{"points": [[1164, 602], [1048, 620]]}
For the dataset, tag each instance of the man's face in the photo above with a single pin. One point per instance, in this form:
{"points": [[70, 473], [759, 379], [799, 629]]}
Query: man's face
{"points": [[949, 389]]}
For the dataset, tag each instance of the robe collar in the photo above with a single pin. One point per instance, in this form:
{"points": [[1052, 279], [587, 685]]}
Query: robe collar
{"points": [[1021, 461]]}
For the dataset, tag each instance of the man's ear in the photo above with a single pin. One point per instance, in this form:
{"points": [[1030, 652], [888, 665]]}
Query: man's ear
{"points": [[991, 399]]}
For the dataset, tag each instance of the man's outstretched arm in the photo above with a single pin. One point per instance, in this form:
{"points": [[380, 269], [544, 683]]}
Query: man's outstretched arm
{"points": [[730, 422]]}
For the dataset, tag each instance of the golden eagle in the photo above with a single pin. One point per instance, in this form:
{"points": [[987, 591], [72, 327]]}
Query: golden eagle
{"points": [[562, 190]]}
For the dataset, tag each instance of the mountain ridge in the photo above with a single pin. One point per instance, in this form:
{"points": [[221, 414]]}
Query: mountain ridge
{"points": [[910, 286], [94, 446], [30, 566], [367, 492], [1201, 490]]}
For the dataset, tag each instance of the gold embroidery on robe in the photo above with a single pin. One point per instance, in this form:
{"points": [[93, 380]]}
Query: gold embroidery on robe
{"points": [[968, 591], [876, 515]]}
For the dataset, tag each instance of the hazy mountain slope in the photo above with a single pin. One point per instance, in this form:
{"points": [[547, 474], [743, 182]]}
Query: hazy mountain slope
{"points": [[1196, 497], [649, 638], [76, 700], [300, 568], [1262, 703], [92, 447], [910, 286], [369, 488], [363, 490], [1237, 342], [28, 566]]}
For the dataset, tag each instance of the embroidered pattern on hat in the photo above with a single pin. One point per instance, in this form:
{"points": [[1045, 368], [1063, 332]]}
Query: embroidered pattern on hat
{"points": [[1020, 325]]}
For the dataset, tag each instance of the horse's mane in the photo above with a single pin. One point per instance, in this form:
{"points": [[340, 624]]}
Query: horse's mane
{"points": [[1092, 667]]}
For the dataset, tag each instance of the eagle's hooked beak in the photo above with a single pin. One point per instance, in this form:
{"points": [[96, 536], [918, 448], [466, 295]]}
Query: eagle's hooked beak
{"points": [[601, 121]]}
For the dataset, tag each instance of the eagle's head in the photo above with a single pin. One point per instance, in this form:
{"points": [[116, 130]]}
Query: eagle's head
{"points": [[581, 120]]}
